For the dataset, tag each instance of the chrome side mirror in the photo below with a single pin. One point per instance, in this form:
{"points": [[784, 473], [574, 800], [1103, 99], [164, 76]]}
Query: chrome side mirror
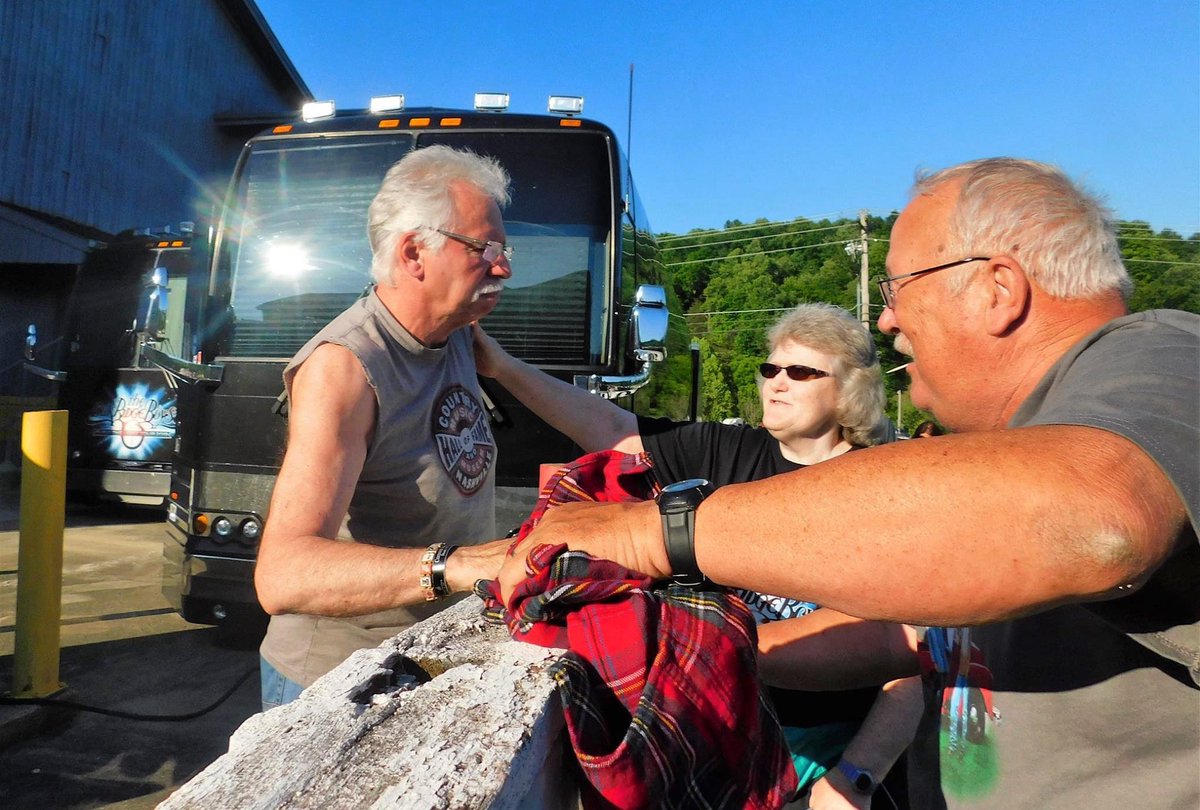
{"points": [[648, 344], [648, 324]]}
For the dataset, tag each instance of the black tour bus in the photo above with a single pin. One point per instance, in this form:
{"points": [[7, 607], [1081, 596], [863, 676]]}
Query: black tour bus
{"points": [[587, 303], [129, 297]]}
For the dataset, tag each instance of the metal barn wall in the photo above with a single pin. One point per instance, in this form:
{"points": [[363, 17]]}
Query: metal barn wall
{"points": [[109, 111], [108, 124]]}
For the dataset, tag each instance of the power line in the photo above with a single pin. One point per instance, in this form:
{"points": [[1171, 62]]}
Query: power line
{"points": [[756, 253], [756, 236], [1156, 239], [692, 234], [883, 241], [737, 311], [846, 215]]}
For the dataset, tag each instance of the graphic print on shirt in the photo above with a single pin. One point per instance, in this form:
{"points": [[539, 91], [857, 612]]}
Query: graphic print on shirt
{"points": [[463, 438], [969, 762], [768, 608]]}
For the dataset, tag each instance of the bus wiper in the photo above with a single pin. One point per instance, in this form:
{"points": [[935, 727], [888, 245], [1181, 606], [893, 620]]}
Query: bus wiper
{"points": [[182, 369]]}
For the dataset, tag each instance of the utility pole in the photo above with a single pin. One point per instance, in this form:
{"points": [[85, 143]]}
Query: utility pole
{"points": [[864, 289]]}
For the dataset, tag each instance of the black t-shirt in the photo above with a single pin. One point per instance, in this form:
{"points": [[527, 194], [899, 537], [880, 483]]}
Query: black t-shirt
{"points": [[736, 454], [724, 454]]}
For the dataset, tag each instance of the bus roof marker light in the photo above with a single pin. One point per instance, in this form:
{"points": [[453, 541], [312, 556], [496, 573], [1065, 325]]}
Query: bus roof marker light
{"points": [[566, 105], [491, 102], [382, 104], [315, 110]]}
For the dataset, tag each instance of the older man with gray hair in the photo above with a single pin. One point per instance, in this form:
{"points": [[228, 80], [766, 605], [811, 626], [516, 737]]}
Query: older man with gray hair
{"points": [[377, 488], [1060, 517]]}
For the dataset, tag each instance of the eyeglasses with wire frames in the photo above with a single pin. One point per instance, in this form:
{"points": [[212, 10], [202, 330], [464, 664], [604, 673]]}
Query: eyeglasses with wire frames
{"points": [[489, 250], [797, 373], [888, 291]]}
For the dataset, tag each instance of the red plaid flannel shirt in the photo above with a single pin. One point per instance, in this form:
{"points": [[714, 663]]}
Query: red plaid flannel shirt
{"points": [[659, 687]]}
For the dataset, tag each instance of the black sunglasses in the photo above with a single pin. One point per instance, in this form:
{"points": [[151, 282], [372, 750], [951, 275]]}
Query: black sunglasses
{"points": [[797, 373]]}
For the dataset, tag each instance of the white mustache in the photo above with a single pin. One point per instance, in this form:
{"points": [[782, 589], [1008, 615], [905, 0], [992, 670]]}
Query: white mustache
{"points": [[488, 289], [903, 345]]}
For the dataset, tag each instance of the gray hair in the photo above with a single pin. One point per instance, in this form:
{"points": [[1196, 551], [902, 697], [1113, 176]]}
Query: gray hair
{"points": [[1062, 235], [834, 331], [416, 193]]}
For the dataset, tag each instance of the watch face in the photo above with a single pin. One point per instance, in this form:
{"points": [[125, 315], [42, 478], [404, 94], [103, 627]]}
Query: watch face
{"points": [[683, 496], [680, 486]]}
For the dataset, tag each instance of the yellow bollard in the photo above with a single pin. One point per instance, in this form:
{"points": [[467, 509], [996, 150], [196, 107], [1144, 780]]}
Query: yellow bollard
{"points": [[40, 558]]}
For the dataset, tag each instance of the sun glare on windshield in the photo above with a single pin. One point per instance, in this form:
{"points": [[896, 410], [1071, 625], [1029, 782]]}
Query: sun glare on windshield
{"points": [[287, 260]]}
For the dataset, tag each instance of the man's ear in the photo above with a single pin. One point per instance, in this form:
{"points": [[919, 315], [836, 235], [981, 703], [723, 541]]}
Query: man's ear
{"points": [[1009, 295], [408, 256]]}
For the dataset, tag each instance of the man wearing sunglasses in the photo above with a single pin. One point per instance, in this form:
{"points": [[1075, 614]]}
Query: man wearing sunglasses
{"points": [[390, 459], [1061, 515]]}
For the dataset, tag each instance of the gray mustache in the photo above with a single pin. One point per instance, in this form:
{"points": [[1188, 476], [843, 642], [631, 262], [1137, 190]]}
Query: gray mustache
{"points": [[488, 289]]}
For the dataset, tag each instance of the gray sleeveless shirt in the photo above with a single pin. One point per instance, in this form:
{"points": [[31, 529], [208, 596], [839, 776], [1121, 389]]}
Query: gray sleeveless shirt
{"points": [[428, 476]]}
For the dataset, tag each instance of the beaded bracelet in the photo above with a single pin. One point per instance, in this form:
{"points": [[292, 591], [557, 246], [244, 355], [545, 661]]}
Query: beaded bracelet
{"points": [[433, 571], [426, 577]]}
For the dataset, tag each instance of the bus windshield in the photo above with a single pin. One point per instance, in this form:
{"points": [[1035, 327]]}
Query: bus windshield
{"points": [[297, 253]]}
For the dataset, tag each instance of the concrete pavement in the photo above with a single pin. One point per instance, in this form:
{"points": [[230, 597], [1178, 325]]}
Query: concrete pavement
{"points": [[123, 649]]}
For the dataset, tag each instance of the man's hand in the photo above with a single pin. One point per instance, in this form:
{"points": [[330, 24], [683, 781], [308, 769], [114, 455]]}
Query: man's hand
{"points": [[629, 534], [488, 353], [471, 563]]}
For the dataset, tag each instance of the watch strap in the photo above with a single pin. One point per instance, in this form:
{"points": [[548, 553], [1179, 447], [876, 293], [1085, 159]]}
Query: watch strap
{"points": [[679, 534]]}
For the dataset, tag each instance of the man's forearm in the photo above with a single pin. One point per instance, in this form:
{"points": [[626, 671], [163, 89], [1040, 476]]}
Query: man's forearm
{"points": [[962, 530], [332, 578], [588, 420]]}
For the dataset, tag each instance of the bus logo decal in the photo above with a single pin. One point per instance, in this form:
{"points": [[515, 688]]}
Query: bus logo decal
{"points": [[133, 423], [463, 438]]}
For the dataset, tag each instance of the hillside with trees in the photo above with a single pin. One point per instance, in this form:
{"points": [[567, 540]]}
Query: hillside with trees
{"points": [[732, 283]]}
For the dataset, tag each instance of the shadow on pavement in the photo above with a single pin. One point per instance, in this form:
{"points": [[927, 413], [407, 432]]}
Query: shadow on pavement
{"points": [[78, 513], [80, 759]]}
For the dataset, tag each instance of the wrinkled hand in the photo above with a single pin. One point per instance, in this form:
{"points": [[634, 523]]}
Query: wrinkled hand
{"points": [[824, 796], [488, 353], [471, 563], [629, 534]]}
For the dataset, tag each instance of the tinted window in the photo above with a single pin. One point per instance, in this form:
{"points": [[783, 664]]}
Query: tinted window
{"points": [[299, 254], [555, 307]]}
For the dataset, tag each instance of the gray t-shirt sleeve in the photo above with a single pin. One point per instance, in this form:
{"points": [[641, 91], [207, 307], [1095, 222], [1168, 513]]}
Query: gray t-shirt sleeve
{"points": [[1138, 377]]}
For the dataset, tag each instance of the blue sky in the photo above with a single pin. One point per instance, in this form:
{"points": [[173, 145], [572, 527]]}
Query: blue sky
{"points": [[788, 109]]}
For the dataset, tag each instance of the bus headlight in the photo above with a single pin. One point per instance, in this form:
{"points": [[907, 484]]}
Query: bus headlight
{"points": [[251, 529], [222, 527]]}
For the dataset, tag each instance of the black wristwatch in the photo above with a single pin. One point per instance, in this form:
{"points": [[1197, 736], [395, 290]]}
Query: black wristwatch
{"points": [[677, 505], [863, 781]]}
